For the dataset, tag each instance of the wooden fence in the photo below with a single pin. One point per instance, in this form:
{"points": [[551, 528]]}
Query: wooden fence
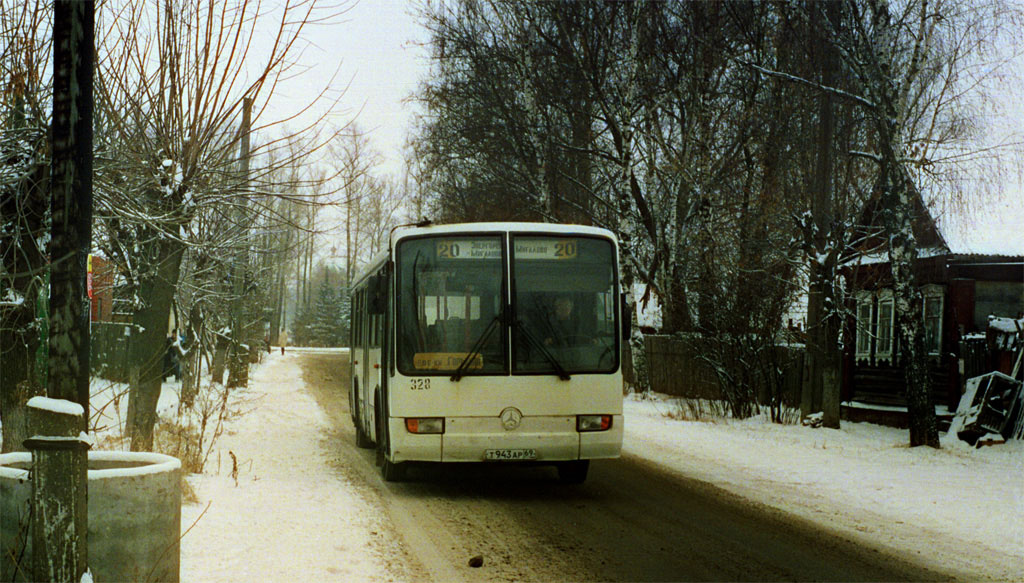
{"points": [[108, 345], [676, 368]]}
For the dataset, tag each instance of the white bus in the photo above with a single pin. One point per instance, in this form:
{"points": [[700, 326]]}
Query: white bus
{"points": [[489, 342]]}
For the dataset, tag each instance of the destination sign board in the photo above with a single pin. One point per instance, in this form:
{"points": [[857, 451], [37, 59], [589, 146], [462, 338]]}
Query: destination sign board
{"points": [[526, 249], [546, 248], [469, 249]]}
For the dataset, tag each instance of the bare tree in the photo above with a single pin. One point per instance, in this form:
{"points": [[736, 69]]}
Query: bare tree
{"points": [[634, 117], [906, 65], [383, 210], [907, 60], [352, 156], [171, 87], [287, 230], [371, 203], [491, 153], [25, 93]]}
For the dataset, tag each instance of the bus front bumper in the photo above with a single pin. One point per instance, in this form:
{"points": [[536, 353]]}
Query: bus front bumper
{"points": [[480, 439]]}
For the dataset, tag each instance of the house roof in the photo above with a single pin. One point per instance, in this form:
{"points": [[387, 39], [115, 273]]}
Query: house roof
{"points": [[926, 231], [989, 229]]}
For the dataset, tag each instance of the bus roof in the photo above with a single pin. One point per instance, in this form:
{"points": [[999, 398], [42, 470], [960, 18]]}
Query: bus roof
{"points": [[407, 231], [511, 227]]}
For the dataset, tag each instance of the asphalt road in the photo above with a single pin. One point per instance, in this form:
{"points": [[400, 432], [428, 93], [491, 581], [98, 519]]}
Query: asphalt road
{"points": [[630, 521]]}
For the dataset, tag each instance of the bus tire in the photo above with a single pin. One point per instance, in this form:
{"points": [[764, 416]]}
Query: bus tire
{"points": [[363, 440], [574, 472], [390, 471]]}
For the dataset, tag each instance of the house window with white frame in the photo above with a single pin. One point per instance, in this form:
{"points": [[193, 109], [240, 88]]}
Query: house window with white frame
{"points": [[932, 312], [865, 317], [884, 325]]}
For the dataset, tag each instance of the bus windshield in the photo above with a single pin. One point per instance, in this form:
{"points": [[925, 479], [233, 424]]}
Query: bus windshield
{"points": [[565, 305], [449, 300], [451, 293]]}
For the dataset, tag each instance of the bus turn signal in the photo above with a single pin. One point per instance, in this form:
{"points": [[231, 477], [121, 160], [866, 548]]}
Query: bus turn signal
{"points": [[424, 425]]}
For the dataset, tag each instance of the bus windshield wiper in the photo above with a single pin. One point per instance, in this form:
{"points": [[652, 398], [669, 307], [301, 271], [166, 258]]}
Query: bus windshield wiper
{"points": [[477, 347], [562, 374]]}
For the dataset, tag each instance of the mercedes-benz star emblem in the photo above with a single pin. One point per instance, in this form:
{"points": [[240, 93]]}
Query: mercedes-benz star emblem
{"points": [[510, 418]]}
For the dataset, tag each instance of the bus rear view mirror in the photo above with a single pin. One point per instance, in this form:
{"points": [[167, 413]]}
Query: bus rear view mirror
{"points": [[378, 296]]}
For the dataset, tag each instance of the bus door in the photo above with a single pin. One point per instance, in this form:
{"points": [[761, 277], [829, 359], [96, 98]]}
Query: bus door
{"points": [[375, 362]]}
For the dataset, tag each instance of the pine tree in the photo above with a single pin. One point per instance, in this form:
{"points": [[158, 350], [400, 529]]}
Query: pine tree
{"points": [[344, 311], [326, 322]]}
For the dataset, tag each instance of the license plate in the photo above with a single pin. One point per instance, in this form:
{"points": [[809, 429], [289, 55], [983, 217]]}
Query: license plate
{"points": [[510, 454]]}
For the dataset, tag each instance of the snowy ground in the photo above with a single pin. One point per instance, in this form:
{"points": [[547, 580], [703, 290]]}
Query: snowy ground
{"points": [[289, 512], [959, 506]]}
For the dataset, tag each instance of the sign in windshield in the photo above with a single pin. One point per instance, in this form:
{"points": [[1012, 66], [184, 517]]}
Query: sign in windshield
{"points": [[556, 249], [526, 249], [468, 249]]}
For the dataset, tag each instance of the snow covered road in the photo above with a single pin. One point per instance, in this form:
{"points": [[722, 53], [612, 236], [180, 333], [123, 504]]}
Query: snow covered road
{"points": [[310, 506]]}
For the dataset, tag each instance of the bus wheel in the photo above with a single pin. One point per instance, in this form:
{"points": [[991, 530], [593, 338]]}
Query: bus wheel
{"points": [[574, 472], [390, 471], [362, 440]]}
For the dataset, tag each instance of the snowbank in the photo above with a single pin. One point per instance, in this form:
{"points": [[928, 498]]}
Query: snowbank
{"points": [[962, 507]]}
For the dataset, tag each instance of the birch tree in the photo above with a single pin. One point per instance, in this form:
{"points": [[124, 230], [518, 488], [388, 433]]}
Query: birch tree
{"points": [[919, 70]]}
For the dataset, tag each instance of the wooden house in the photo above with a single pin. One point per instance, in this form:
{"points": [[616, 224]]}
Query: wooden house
{"points": [[100, 287], [106, 290], [966, 274]]}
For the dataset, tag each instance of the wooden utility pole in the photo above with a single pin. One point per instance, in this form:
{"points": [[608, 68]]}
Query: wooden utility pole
{"points": [[58, 423], [71, 201], [822, 358]]}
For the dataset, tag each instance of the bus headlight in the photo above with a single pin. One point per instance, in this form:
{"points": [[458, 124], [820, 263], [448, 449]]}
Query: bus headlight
{"points": [[593, 422], [425, 425]]}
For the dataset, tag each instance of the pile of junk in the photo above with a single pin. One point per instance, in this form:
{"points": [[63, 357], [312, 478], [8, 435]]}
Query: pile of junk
{"points": [[991, 409]]}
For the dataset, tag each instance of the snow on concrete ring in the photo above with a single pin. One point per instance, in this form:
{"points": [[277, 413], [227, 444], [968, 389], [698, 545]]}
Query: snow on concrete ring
{"points": [[121, 464], [14, 465], [102, 464]]}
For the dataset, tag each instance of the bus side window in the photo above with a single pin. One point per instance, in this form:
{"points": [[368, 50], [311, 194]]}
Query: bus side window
{"points": [[355, 319], [360, 339], [366, 323], [353, 316]]}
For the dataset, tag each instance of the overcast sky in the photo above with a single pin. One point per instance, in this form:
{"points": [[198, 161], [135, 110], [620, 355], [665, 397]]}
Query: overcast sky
{"points": [[374, 50]]}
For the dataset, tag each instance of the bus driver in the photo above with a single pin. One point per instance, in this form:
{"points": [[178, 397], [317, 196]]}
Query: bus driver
{"points": [[564, 328]]}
